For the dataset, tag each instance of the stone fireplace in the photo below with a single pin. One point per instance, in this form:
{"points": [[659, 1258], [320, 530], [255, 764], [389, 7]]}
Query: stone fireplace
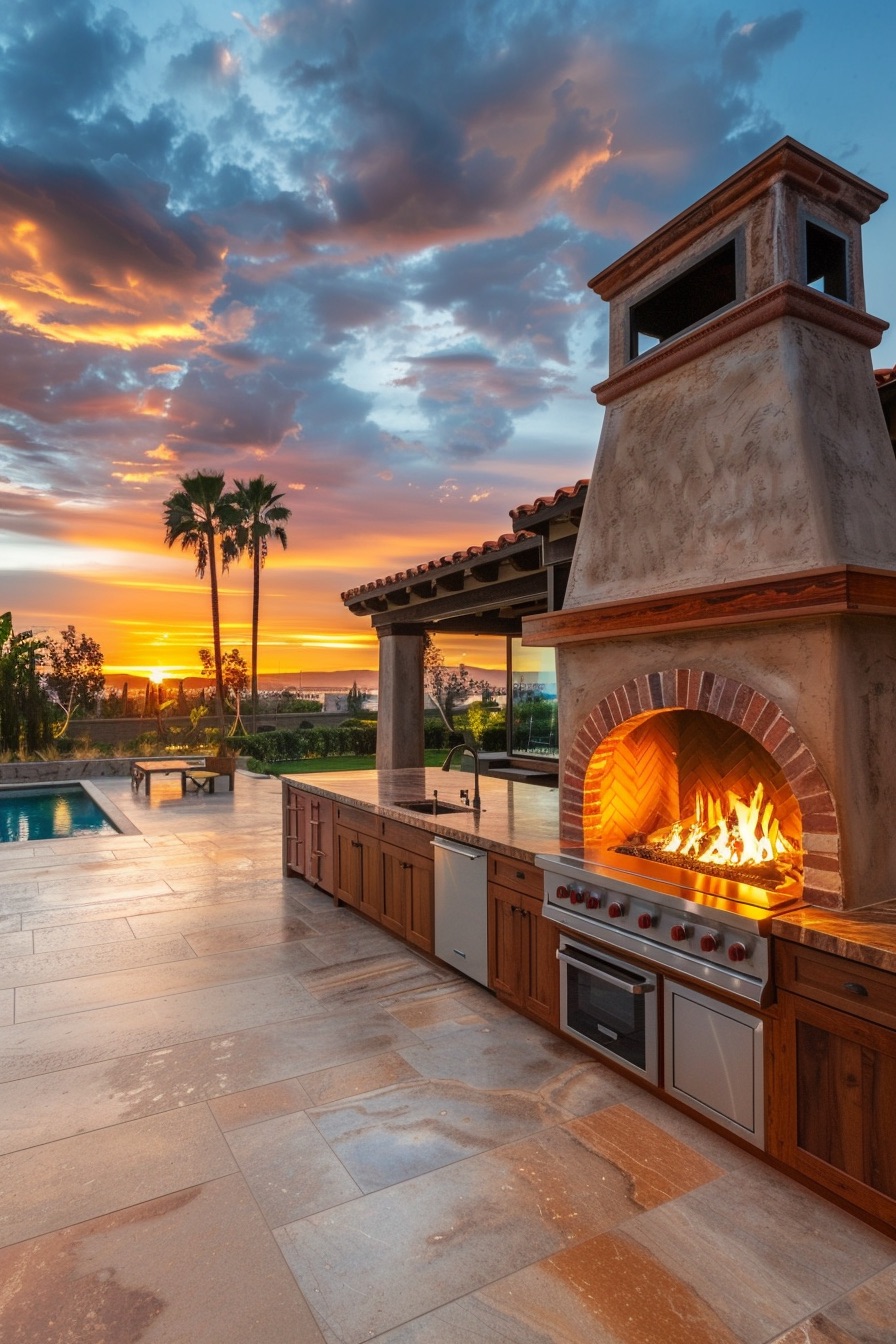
{"points": [[727, 640]]}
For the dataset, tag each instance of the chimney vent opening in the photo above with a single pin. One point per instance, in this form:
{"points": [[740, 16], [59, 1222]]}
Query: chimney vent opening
{"points": [[699, 293], [826, 268]]}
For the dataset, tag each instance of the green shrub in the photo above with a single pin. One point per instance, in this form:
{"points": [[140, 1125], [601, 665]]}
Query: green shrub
{"points": [[298, 744], [436, 737]]}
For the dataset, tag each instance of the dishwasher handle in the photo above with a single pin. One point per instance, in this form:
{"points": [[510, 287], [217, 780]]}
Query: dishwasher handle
{"points": [[461, 850]]}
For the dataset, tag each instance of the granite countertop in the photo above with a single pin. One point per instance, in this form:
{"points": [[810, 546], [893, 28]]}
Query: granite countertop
{"points": [[519, 820], [867, 935]]}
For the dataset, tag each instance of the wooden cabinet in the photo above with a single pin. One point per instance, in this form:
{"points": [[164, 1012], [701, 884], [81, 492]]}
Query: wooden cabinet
{"points": [[308, 837], [385, 870], [523, 969], [834, 1082], [358, 861], [408, 899]]}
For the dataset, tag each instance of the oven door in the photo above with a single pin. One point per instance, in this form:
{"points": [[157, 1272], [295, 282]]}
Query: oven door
{"points": [[611, 1006]]}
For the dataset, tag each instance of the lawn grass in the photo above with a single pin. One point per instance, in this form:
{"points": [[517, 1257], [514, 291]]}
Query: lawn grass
{"points": [[328, 764]]}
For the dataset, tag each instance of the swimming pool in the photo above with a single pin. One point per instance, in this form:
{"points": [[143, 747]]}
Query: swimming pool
{"points": [[51, 812]]}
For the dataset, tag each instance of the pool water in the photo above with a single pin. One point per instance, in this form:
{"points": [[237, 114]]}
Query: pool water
{"points": [[51, 814]]}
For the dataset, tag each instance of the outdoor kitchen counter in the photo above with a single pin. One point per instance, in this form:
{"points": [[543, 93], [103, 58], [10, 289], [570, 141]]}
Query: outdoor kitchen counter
{"points": [[519, 820], [867, 935]]}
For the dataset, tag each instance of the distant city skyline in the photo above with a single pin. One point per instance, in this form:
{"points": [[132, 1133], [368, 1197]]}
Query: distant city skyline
{"points": [[347, 246]]}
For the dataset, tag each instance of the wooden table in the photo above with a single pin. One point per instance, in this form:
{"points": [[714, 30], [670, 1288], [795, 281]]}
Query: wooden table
{"points": [[144, 770]]}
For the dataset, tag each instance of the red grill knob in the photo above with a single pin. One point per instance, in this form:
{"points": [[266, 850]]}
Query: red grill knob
{"points": [[679, 932], [576, 897], [710, 943], [563, 893], [592, 903], [645, 921], [737, 952], [615, 910]]}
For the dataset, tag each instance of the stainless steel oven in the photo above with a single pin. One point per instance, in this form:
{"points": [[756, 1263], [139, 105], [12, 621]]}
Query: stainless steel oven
{"points": [[696, 936], [611, 1006]]}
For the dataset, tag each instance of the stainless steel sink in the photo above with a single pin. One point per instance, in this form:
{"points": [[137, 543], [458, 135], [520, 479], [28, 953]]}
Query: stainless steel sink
{"points": [[429, 806]]}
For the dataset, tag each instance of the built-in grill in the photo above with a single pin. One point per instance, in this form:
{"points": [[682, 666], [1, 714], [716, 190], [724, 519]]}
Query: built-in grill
{"points": [[705, 929]]}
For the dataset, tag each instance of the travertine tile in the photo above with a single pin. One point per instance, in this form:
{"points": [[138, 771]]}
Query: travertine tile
{"points": [[259, 1103], [508, 1052], [351, 1080], [605, 1291], [399, 1133], [15, 944], [587, 1086], [284, 929], [192, 917], [764, 1257], [104, 1033], [822, 1330], [7, 1007], [290, 1169], [42, 967], [85, 992], [116, 930], [413, 1247], [107, 1170], [197, 1266], [10, 923]]}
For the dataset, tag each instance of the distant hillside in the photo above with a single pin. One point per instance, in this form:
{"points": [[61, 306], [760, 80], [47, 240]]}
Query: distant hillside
{"points": [[306, 681]]}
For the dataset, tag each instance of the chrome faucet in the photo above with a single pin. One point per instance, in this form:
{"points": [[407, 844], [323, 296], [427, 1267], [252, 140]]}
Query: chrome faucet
{"points": [[462, 747]]}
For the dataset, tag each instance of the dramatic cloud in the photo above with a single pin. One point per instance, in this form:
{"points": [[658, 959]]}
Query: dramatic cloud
{"points": [[346, 244]]}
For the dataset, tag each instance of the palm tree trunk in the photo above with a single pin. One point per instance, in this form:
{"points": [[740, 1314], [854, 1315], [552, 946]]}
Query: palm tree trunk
{"points": [[216, 630], [256, 587]]}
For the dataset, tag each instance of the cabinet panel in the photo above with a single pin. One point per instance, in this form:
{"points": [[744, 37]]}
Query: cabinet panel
{"points": [[348, 867], [371, 892], [319, 836], [294, 833], [542, 983], [839, 1076], [419, 909], [505, 943], [393, 865]]}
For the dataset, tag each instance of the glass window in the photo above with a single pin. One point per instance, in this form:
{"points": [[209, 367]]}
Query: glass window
{"points": [[533, 701]]}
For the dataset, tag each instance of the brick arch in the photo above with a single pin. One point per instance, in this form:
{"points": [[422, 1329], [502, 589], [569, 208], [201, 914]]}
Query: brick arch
{"points": [[746, 708]]}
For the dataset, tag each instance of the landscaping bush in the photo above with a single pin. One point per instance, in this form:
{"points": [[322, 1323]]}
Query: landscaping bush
{"points": [[494, 737], [436, 737], [303, 743]]}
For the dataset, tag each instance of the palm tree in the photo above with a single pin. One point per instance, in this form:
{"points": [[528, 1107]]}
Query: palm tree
{"points": [[261, 516], [195, 515]]}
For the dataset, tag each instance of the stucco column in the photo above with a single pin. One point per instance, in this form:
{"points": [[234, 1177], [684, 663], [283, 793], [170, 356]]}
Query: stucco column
{"points": [[399, 739]]}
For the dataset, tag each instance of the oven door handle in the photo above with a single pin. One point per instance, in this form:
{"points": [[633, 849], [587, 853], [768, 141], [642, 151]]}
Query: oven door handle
{"points": [[644, 988]]}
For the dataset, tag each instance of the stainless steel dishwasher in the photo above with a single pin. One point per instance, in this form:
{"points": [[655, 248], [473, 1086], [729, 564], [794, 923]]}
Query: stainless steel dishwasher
{"points": [[461, 916]]}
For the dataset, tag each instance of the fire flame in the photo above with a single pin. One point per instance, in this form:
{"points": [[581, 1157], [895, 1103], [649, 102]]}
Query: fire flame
{"points": [[730, 831]]}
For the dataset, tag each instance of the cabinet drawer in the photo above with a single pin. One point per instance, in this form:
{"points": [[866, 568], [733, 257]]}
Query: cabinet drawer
{"points": [[519, 876], [836, 981], [408, 837], [366, 822]]}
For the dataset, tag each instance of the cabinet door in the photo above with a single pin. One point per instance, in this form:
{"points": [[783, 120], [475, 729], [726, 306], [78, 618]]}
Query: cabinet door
{"points": [[505, 943], [348, 866], [319, 855], [295, 832], [371, 891], [541, 971], [393, 868], [419, 902], [843, 1079]]}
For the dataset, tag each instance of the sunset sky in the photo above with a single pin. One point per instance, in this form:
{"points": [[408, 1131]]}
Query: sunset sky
{"points": [[345, 244]]}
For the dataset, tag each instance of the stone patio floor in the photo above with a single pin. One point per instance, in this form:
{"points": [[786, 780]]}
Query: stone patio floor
{"points": [[231, 1112]]}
